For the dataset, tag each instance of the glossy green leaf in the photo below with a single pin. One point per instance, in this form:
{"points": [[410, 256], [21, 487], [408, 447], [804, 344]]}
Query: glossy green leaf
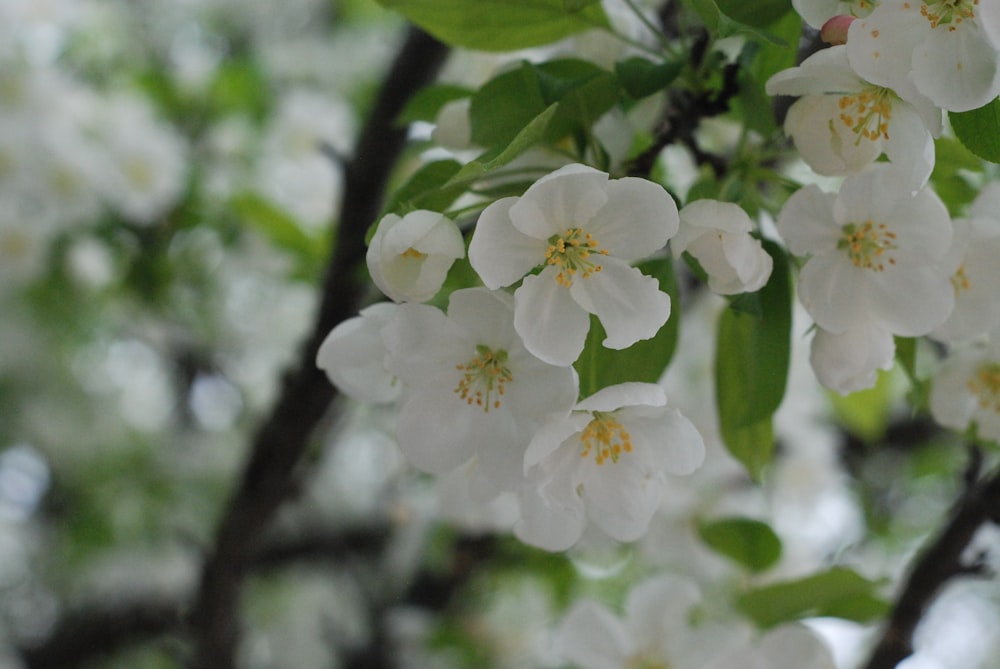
{"points": [[532, 134], [751, 368], [979, 130], [751, 543], [839, 592], [507, 103], [500, 25], [425, 188], [866, 413], [281, 229], [645, 360], [427, 102], [641, 78], [759, 13], [504, 105]]}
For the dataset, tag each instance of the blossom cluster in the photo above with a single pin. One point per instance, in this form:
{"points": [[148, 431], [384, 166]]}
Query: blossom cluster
{"points": [[882, 257], [488, 386]]}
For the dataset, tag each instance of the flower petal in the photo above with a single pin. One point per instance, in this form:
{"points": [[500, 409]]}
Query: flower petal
{"points": [[499, 252], [566, 198], [637, 220], [551, 323], [629, 304]]}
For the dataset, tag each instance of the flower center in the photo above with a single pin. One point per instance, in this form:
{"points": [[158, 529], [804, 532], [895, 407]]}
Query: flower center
{"points": [[484, 378], [867, 113], [866, 244], [605, 438], [960, 280], [412, 253], [985, 385], [950, 13], [571, 252]]}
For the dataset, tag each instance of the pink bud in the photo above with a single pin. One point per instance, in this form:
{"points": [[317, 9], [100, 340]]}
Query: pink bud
{"points": [[834, 31]]}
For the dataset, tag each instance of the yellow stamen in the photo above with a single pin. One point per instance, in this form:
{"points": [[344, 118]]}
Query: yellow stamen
{"points": [[605, 438], [484, 378], [572, 252]]}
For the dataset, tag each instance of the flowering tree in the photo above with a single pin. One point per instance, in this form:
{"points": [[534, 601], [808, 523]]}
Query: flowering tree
{"points": [[617, 334]]}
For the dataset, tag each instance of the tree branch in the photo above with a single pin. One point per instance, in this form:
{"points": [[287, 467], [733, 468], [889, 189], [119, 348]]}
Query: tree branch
{"points": [[940, 561], [281, 441]]}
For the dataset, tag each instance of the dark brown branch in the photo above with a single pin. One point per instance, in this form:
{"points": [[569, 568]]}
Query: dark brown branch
{"points": [[282, 440], [940, 561]]}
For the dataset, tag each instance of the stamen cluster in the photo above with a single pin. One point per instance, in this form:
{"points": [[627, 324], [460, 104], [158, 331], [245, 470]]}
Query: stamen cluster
{"points": [[867, 243], [605, 438], [571, 252], [484, 378]]}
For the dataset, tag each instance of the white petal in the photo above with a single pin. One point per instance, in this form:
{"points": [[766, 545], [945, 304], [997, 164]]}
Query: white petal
{"points": [[834, 291], [629, 304], [826, 143], [353, 356], [795, 646], [552, 434], [910, 147], [880, 46], [951, 402], [826, 71], [621, 497], [436, 431], [567, 198], [637, 220], [911, 301], [551, 323], [421, 343], [806, 222], [498, 251], [672, 439], [592, 637], [850, 361], [554, 523], [487, 317], [623, 395], [660, 605], [958, 70]]}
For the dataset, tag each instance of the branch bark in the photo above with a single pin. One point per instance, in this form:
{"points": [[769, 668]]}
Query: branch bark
{"points": [[940, 561], [281, 441]]}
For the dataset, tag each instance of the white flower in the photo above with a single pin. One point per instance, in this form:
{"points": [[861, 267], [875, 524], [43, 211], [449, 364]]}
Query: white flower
{"points": [[791, 645], [966, 390], [975, 272], [656, 631], [409, 257], [717, 234], [148, 160], [938, 47], [817, 12], [353, 356], [471, 388], [583, 229], [606, 462], [874, 254], [843, 123], [850, 360]]}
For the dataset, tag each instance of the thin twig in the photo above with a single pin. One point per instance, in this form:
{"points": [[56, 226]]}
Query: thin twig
{"points": [[940, 562]]}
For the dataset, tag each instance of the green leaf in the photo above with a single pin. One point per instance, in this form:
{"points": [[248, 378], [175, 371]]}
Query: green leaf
{"points": [[759, 13], [577, 5], [641, 78], [751, 368], [724, 25], [646, 360], [839, 592], [979, 130], [425, 189], [281, 229], [500, 25], [507, 103], [751, 543], [427, 102], [866, 413], [532, 134]]}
